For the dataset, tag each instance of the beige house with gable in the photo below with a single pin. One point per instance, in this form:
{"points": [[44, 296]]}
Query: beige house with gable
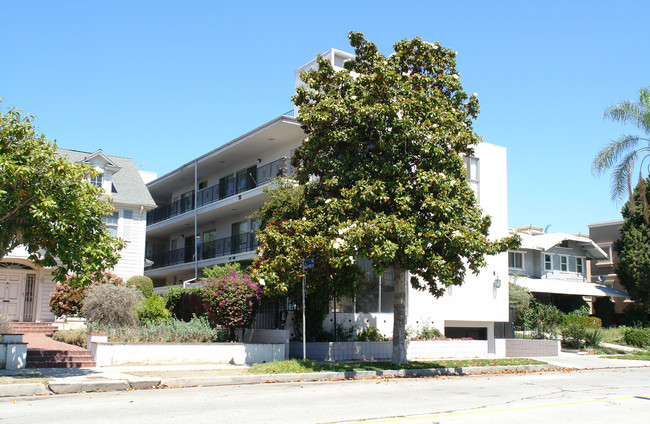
{"points": [[25, 288]]}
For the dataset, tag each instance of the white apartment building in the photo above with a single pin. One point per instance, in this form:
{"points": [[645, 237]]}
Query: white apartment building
{"points": [[203, 219]]}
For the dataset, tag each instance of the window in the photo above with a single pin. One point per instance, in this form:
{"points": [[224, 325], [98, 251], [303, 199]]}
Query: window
{"points": [[97, 180], [564, 263], [548, 262], [202, 185], [209, 244], [607, 248], [516, 260], [111, 221], [472, 169], [580, 265]]}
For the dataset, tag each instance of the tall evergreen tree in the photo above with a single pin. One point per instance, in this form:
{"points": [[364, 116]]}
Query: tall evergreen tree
{"points": [[385, 139], [633, 248]]}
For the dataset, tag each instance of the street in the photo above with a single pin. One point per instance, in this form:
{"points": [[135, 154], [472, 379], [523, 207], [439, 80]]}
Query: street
{"points": [[610, 395]]}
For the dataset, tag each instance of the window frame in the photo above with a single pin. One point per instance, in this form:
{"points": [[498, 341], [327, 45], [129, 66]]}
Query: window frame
{"points": [[516, 252], [550, 268], [583, 262], [110, 225], [97, 180], [566, 258]]}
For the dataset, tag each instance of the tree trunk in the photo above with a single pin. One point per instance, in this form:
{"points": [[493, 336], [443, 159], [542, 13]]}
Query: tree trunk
{"points": [[399, 318]]}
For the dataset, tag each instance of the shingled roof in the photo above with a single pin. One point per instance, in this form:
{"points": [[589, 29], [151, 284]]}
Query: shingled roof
{"points": [[129, 189]]}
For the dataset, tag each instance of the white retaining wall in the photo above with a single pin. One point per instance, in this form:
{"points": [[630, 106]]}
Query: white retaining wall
{"points": [[426, 350], [233, 353]]}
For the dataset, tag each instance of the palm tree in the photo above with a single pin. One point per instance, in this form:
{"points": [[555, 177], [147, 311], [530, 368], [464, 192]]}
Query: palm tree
{"points": [[622, 155]]}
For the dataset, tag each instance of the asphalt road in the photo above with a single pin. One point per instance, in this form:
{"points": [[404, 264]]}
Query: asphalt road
{"points": [[617, 395]]}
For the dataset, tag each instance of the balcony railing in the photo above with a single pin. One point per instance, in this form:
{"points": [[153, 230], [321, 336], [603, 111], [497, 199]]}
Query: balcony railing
{"points": [[227, 246], [227, 187]]}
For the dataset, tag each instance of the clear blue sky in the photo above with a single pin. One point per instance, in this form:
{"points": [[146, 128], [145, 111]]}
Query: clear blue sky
{"points": [[163, 82]]}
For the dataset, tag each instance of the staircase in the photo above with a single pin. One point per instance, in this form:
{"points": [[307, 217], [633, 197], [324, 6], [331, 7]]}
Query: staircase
{"points": [[51, 358], [43, 352], [45, 328]]}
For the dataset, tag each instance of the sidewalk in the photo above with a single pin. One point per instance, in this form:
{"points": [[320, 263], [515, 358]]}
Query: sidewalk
{"points": [[73, 380]]}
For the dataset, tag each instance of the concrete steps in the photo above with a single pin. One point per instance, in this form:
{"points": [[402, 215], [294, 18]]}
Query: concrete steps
{"points": [[46, 358], [33, 327]]}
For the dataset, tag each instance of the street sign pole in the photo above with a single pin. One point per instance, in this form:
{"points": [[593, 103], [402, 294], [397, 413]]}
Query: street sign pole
{"points": [[304, 325], [306, 264]]}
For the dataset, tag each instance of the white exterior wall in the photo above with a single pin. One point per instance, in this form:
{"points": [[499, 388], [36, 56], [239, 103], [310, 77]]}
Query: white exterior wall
{"points": [[133, 231], [478, 299]]}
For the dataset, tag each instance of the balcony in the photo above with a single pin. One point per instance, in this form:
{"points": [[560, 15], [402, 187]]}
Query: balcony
{"points": [[227, 246], [227, 187]]}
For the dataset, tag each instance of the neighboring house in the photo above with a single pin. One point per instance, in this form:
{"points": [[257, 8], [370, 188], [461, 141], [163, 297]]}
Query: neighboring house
{"points": [[603, 271], [204, 219], [25, 288], [554, 266]]}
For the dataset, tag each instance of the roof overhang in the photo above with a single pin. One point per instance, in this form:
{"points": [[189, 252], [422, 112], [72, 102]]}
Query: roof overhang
{"points": [[547, 285], [544, 242]]}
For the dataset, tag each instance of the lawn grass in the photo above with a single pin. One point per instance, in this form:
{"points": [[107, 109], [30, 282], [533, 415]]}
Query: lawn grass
{"points": [[642, 355], [612, 335], [300, 366]]}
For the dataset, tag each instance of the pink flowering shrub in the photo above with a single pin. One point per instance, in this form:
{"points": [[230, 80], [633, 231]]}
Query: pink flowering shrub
{"points": [[231, 300]]}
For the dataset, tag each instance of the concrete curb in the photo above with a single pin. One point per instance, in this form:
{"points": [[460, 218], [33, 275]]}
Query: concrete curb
{"points": [[75, 385], [23, 389], [320, 376]]}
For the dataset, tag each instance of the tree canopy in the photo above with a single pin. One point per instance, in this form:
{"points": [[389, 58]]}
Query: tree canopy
{"points": [[383, 177], [628, 151], [633, 248], [48, 205]]}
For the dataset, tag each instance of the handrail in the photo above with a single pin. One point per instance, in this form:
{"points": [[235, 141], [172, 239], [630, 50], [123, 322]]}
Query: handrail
{"points": [[226, 246], [206, 196]]}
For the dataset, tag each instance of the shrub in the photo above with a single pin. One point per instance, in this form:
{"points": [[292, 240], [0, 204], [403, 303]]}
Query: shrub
{"points": [[110, 304], [635, 315], [427, 332], [67, 297], [5, 324], [152, 309], [345, 333], [574, 335], [520, 298], [231, 301], [75, 337], [594, 337], [142, 283], [583, 321], [639, 337], [197, 330], [370, 334], [542, 319], [224, 270]]}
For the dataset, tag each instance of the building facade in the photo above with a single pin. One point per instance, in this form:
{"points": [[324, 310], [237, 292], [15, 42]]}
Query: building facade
{"points": [[555, 266], [603, 271], [204, 219], [25, 288]]}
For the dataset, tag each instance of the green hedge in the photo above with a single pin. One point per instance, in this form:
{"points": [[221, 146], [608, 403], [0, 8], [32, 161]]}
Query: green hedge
{"points": [[581, 321], [636, 336]]}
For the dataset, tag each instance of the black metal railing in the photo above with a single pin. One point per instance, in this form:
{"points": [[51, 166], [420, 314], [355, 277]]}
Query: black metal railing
{"points": [[227, 187], [226, 246]]}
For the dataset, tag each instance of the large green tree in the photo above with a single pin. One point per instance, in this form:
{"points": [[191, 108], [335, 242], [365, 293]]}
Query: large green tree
{"points": [[385, 141], [628, 151], [48, 205], [633, 248]]}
